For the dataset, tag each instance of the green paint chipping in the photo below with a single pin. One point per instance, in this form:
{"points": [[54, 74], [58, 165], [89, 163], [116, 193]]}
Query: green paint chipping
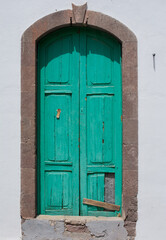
{"points": [[79, 121]]}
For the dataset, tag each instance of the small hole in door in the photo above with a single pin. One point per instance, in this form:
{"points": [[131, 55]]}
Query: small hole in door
{"points": [[109, 189]]}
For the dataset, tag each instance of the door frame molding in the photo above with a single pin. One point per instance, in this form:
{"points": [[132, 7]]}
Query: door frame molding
{"points": [[29, 41]]}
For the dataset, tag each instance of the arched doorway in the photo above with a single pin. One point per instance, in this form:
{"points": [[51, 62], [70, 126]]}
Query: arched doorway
{"points": [[29, 174], [80, 133]]}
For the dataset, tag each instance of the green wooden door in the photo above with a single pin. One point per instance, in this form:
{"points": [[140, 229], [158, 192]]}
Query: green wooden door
{"points": [[79, 122]]}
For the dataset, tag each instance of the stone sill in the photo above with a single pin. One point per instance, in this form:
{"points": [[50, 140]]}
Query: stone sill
{"points": [[78, 219]]}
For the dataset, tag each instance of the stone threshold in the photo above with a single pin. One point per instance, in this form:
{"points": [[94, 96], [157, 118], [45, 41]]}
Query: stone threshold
{"points": [[78, 219]]}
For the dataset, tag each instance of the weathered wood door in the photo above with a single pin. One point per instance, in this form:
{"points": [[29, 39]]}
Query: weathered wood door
{"points": [[79, 122]]}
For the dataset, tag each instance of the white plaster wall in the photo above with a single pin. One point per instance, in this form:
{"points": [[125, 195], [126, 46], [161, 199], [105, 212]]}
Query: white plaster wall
{"points": [[147, 20]]}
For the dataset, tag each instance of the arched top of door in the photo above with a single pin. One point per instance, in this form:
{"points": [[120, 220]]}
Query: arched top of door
{"points": [[78, 16]]}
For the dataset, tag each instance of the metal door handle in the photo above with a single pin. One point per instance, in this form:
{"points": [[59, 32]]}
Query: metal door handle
{"points": [[58, 113]]}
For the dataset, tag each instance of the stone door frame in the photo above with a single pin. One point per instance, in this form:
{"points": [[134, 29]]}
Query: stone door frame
{"points": [[79, 16]]}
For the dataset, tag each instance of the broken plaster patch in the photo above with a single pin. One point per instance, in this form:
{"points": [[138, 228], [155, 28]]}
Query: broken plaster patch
{"points": [[34, 229], [108, 230]]}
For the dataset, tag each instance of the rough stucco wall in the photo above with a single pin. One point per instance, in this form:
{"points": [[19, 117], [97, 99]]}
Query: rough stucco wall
{"points": [[147, 21]]}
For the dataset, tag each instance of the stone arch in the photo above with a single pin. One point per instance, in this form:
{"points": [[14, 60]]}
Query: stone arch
{"points": [[83, 17]]}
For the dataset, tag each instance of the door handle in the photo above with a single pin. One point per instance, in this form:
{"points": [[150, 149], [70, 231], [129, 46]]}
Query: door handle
{"points": [[58, 113]]}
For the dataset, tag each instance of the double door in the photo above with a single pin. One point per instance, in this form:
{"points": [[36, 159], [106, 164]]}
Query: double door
{"points": [[79, 122]]}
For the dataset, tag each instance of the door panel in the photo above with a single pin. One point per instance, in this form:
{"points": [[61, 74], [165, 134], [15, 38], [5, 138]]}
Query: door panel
{"points": [[58, 58], [58, 195], [79, 149], [57, 130], [99, 61], [95, 189], [99, 129]]}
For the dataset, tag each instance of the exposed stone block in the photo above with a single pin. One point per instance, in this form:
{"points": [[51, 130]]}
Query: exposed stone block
{"points": [[28, 104], [130, 226], [130, 157], [130, 188], [29, 74], [129, 53], [76, 228], [28, 206], [130, 238], [59, 19], [28, 53], [28, 131], [130, 131], [111, 25], [130, 207], [28, 155], [129, 74], [28, 180], [130, 105]]}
